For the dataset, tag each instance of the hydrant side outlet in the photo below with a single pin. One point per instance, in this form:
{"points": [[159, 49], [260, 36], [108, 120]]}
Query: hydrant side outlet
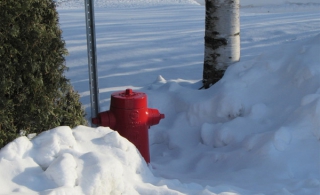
{"points": [[154, 116]]}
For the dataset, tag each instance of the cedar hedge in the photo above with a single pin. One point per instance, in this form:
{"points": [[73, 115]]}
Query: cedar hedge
{"points": [[34, 93]]}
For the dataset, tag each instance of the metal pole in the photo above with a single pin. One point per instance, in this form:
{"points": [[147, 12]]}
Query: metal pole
{"points": [[92, 58]]}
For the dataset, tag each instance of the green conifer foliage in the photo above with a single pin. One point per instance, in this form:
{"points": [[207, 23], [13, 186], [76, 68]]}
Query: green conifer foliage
{"points": [[34, 93]]}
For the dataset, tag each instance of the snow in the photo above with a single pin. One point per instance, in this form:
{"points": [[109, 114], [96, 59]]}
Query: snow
{"points": [[255, 132]]}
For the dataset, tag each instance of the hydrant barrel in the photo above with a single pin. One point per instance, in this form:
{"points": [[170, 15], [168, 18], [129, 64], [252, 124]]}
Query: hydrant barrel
{"points": [[131, 117]]}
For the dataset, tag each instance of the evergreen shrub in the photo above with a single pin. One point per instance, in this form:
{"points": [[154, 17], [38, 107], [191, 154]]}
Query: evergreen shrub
{"points": [[34, 93]]}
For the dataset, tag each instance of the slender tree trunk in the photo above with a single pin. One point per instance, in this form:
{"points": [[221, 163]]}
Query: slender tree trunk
{"points": [[222, 39]]}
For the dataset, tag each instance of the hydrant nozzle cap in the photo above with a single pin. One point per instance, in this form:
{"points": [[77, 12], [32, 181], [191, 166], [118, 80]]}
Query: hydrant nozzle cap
{"points": [[162, 116]]}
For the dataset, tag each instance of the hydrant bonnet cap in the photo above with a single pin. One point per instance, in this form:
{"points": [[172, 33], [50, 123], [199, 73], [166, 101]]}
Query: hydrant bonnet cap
{"points": [[129, 99]]}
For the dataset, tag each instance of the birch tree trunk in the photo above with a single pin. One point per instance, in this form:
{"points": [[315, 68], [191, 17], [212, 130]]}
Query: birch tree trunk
{"points": [[222, 38]]}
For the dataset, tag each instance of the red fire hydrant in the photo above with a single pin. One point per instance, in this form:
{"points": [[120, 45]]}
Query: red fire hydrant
{"points": [[131, 117]]}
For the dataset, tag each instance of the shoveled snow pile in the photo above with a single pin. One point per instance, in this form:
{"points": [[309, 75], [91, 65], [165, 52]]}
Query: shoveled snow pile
{"points": [[78, 161], [255, 132]]}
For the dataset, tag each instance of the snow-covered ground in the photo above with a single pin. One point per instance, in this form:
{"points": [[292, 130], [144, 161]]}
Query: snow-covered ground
{"points": [[255, 132]]}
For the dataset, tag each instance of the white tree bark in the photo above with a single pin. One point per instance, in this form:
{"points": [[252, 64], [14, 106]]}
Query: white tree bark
{"points": [[222, 38]]}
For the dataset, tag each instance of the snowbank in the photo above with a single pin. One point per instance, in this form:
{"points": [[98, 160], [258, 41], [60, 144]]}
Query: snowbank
{"points": [[78, 161], [259, 124]]}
